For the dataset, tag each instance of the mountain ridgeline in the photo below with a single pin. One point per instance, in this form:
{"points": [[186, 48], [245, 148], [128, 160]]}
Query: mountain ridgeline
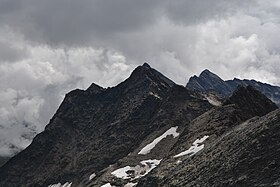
{"points": [[208, 81], [149, 131]]}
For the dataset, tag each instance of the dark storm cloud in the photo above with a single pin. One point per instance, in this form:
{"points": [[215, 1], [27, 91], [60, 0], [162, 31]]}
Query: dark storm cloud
{"points": [[78, 22], [74, 22]]}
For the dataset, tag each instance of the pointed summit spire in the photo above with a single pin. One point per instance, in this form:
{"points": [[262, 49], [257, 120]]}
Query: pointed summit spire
{"points": [[206, 71], [94, 88], [146, 65], [145, 71], [209, 81], [208, 74]]}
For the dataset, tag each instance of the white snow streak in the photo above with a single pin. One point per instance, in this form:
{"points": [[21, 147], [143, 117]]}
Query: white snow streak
{"points": [[179, 162], [213, 101], [147, 149], [107, 185], [155, 95], [92, 176], [130, 184], [193, 149], [129, 172], [67, 184]]}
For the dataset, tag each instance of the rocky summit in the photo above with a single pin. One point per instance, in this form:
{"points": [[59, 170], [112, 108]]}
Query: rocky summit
{"points": [[149, 131]]}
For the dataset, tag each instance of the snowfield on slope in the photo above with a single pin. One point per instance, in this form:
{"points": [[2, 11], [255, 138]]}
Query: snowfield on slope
{"points": [[213, 101], [195, 148], [67, 184], [130, 184], [107, 185], [129, 172], [147, 149]]}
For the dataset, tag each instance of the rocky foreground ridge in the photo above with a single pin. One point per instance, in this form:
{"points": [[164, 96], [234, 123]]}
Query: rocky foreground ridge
{"points": [[149, 131]]}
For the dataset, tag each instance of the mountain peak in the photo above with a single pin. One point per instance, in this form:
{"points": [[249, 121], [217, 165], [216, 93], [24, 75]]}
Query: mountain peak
{"points": [[206, 71], [145, 72], [94, 88], [208, 81], [207, 74], [146, 65]]}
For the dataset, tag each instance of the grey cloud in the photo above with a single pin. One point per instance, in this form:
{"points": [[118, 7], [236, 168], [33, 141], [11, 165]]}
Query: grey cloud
{"points": [[75, 22], [191, 12], [81, 22], [10, 53]]}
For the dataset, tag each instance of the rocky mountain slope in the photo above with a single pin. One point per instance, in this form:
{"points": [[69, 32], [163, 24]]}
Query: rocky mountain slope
{"points": [[3, 160], [148, 131], [218, 164], [208, 81]]}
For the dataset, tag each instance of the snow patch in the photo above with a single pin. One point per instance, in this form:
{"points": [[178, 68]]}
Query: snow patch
{"points": [[147, 149], [67, 184], [107, 185], [92, 176], [130, 172], [195, 148], [122, 172], [179, 162], [213, 101], [155, 95], [130, 184]]}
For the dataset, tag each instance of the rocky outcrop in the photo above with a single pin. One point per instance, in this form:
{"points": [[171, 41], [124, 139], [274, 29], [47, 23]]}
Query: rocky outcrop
{"points": [[251, 101]]}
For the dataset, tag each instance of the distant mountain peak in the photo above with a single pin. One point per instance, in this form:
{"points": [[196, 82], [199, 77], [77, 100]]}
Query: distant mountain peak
{"points": [[206, 71], [208, 74], [208, 81]]}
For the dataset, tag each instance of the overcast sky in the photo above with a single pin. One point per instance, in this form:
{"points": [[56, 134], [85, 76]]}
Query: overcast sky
{"points": [[49, 47]]}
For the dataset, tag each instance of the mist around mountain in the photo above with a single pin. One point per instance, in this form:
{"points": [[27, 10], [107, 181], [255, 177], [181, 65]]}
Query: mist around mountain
{"points": [[149, 131]]}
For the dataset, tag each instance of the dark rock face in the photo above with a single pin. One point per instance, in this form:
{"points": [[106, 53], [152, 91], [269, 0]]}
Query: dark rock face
{"points": [[208, 81], [251, 101], [3, 160], [190, 142]]}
